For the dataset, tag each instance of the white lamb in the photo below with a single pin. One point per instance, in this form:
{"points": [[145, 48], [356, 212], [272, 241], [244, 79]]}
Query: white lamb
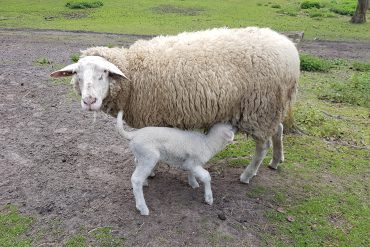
{"points": [[188, 150]]}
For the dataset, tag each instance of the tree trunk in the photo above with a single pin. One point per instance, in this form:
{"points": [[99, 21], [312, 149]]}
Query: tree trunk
{"points": [[360, 13]]}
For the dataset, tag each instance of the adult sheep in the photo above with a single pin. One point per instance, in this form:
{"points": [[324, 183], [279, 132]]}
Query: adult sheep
{"points": [[246, 76]]}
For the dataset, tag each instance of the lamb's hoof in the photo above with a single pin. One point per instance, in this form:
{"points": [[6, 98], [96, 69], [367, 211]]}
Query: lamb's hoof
{"points": [[194, 185], [152, 175], [143, 210], [209, 200]]}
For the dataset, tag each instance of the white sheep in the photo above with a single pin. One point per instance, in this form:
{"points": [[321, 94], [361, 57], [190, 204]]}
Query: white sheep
{"points": [[246, 76], [187, 150]]}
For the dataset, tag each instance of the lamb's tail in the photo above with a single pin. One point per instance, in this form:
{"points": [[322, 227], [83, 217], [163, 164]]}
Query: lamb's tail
{"points": [[121, 130]]}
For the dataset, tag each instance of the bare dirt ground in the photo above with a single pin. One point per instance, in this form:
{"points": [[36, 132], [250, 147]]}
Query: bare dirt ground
{"points": [[72, 174]]}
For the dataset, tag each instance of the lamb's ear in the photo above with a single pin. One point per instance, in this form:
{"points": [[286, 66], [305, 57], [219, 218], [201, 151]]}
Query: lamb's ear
{"points": [[113, 69], [66, 71]]}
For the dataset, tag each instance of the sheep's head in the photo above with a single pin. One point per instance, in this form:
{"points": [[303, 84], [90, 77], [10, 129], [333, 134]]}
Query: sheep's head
{"points": [[91, 77]]}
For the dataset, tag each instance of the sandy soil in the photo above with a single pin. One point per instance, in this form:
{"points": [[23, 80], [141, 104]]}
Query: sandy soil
{"points": [[70, 173]]}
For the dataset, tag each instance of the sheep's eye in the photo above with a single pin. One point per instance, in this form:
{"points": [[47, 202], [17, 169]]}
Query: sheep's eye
{"points": [[105, 71]]}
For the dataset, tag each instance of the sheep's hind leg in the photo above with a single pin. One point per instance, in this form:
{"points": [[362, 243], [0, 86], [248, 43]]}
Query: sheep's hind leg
{"points": [[204, 176], [277, 148], [251, 170], [138, 178]]}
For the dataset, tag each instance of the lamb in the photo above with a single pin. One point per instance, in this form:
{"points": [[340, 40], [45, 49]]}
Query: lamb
{"points": [[188, 150], [245, 76]]}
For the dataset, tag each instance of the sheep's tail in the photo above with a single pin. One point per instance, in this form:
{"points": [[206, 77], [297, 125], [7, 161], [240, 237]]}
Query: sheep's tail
{"points": [[121, 130]]}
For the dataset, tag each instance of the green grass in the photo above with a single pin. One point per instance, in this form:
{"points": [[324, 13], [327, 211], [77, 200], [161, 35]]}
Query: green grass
{"points": [[43, 61], [170, 17], [312, 63], [310, 5], [75, 57], [346, 7], [340, 222], [76, 241], [83, 5], [360, 66], [101, 237], [356, 91], [13, 227]]}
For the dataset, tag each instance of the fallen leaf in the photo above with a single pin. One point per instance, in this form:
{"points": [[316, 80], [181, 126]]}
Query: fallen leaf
{"points": [[290, 218], [280, 210]]}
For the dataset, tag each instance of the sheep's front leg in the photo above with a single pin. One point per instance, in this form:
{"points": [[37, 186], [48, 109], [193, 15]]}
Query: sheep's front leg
{"points": [[138, 179], [251, 170], [204, 176], [192, 181], [277, 148]]}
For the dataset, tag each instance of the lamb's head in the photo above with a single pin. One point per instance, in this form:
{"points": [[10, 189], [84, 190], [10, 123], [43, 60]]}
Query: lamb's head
{"points": [[221, 134], [91, 77]]}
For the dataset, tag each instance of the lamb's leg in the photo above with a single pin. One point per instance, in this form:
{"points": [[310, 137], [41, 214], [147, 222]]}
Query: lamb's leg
{"points": [[251, 170], [277, 148], [204, 176], [138, 178], [192, 181], [146, 180]]}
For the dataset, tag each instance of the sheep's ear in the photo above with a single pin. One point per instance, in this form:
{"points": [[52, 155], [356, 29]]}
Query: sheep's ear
{"points": [[113, 69], [66, 71]]}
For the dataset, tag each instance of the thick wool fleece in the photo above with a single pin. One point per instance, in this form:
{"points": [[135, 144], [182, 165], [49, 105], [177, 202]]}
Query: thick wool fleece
{"points": [[247, 76]]}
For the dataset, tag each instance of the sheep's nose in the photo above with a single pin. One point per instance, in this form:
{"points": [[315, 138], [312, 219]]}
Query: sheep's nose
{"points": [[89, 100]]}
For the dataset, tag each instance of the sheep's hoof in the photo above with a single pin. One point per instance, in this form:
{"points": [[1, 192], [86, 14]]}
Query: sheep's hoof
{"points": [[152, 175], [273, 165], [245, 179], [282, 159]]}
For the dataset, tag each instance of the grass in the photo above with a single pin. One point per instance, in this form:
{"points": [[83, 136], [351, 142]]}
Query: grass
{"points": [[356, 91], [169, 17], [360, 66], [344, 7], [75, 57], [43, 61], [76, 241], [13, 227], [84, 5], [312, 63], [101, 236], [310, 5]]}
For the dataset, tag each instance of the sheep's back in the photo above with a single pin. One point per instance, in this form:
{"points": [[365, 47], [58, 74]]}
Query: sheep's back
{"points": [[193, 80]]}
